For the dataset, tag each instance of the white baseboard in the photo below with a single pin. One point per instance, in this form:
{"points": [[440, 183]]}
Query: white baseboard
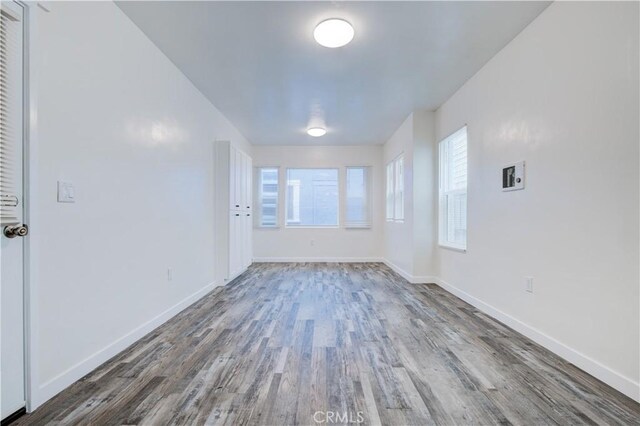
{"points": [[413, 279], [54, 386], [589, 365], [316, 259]]}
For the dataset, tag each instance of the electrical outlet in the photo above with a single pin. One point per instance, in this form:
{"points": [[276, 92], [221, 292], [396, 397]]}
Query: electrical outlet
{"points": [[528, 285], [169, 274]]}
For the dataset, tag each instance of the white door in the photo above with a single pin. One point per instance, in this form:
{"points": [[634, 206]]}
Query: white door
{"points": [[238, 178], [248, 173], [233, 242], [12, 345], [247, 240], [240, 241], [233, 189]]}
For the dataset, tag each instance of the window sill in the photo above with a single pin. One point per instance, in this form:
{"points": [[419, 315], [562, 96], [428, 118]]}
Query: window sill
{"points": [[312, 227], [266, 227], [453, 248]]}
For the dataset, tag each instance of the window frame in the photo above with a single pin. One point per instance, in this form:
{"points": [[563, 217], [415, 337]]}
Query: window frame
{"points": [[286, 198], [259, 199], [366, 224], [444, 193]]}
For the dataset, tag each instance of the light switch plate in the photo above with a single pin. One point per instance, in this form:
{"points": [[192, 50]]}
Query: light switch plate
{"points": [[66, 192]]}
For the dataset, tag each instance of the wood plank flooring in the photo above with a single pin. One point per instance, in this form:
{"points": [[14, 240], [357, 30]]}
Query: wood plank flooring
{"points": [[344, 343]]}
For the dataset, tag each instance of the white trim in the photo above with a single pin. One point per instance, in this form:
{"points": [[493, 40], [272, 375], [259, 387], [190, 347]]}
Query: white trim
{"points": [[614, 379], [31, 277], [317, 260], [413, 279], [49, 389]]}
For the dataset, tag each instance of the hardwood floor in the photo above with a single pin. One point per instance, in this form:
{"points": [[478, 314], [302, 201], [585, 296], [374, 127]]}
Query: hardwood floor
{"points": [[342, 342]]}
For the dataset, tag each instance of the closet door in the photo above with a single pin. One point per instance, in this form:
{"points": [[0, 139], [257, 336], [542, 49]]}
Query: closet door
{"points": [[248, 172], [246, 179], [248, 240], [233, 243], [239, 170], [233, 187], [241, 240], [241, 180]]}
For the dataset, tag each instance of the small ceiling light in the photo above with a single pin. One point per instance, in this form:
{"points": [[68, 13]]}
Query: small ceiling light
{"points": [[316, 132], [333, 33]]}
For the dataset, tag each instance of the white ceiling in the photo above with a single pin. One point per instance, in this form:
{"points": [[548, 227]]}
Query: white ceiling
{"points": [[259, 64]]}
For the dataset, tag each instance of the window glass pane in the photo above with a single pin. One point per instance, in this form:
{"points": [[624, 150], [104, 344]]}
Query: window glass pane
{"points": [[457, 162], [268, 196], [390, 190], [457, 218], [358, 212], [312, 197]]}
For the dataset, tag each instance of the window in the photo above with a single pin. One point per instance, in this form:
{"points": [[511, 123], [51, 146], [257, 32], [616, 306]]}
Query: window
{"points": [[312, 197], [358, 214], [268, 196], [453, 191], [390, 190], [395, 189]]}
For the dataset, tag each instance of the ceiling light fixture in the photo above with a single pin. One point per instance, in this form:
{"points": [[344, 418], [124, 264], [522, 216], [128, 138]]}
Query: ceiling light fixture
{"points": [[333, 33], [316, 132]]}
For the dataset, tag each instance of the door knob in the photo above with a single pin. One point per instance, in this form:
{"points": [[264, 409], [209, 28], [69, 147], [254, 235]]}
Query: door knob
{"points": [[16, 231]]}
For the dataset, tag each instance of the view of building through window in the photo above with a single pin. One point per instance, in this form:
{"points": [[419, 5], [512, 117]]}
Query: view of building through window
{"points": [[312, 197]]}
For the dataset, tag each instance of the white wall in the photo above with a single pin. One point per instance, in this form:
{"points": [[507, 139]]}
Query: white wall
{"points": [[409, 245], [425, 199], [328, 243], [119, 121], [563, 96], [398, 236]]}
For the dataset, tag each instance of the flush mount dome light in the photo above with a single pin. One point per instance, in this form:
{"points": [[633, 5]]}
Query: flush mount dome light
{"points": [[316, 132], [333, 33]]}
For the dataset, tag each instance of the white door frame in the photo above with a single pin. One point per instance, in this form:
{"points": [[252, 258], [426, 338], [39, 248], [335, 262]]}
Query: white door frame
{"points": [[33, 399]]}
